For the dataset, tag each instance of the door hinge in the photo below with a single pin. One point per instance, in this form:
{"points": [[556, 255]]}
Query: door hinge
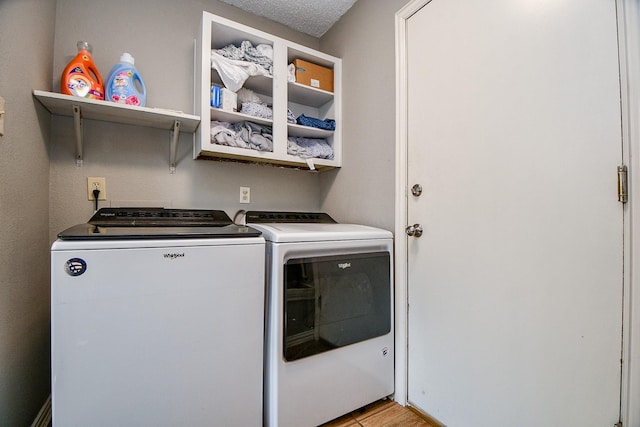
{"points": [[623, 196]]}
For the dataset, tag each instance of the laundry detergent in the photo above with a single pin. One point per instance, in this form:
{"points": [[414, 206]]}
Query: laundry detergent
{"points": [[124, 85], [81, 77]]}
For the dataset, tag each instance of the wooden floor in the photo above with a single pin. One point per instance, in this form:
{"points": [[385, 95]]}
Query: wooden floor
{"points": [[383, 413]]}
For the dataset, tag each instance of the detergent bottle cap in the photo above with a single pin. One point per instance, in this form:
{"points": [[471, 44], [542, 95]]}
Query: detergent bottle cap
{"points": [[127, 58], [82, 45]]}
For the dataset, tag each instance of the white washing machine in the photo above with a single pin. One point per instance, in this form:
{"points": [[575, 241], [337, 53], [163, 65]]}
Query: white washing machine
{"points": [[329, 322], [157, 320]]}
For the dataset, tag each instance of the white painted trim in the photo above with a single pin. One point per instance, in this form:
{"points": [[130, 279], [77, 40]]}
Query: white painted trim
{"points": [[401, 296], [628, 32]]}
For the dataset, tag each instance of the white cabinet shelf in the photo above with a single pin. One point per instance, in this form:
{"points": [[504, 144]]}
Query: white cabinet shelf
{"points": [[307, 95], [83, 108], [308, 132], [235, 117], [284, 96]]}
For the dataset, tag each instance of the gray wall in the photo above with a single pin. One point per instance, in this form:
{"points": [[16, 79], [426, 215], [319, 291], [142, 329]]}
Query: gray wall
{"points": [[135, 160], [363, 190], [43, 191], [26, 49]]}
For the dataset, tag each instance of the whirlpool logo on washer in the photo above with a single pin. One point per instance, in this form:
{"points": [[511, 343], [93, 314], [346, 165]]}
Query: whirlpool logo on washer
{"points": [[75, 266], [174, 255], [344, 265]]}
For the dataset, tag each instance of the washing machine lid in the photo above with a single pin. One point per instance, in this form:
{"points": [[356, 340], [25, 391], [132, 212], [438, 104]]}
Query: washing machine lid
{"points": [[157, 223], [319, 227]]}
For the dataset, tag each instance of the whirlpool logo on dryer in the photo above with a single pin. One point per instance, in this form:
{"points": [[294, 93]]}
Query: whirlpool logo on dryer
{"points": [[174, 255]]}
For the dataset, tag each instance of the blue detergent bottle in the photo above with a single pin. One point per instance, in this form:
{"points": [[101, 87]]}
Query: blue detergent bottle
{"points": [[124, 84]]}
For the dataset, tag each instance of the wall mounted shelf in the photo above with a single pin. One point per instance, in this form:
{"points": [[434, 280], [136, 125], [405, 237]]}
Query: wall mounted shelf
{"points": [[83, 108], [285, 97]]}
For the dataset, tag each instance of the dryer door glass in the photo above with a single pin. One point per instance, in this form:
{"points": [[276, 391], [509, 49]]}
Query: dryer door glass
{"points": [[334, 301]]}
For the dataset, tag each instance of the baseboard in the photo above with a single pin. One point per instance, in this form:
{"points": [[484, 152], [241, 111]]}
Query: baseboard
{"points": [[43, 419], [428, 418]]}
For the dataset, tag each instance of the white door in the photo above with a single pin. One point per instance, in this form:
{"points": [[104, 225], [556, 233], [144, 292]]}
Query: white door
{"points": [[515, 286]]}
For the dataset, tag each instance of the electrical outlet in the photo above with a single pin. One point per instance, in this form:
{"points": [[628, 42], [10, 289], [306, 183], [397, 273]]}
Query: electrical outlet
{"points": [[94, 183], [245, 195]]}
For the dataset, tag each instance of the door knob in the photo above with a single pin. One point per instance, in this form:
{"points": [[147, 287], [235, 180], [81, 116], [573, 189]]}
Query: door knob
{"points": [[414, 230], [416, 190]]}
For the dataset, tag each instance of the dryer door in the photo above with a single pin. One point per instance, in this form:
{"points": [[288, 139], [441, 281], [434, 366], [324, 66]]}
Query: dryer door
{"points": [[334, 301]]}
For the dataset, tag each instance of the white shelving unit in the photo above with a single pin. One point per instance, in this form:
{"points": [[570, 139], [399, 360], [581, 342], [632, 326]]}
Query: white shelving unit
{"points": [[218, 32], [91, 109]]}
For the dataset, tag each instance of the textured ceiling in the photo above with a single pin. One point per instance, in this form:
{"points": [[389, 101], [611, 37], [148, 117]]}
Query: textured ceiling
{"points": [[313, 17]]}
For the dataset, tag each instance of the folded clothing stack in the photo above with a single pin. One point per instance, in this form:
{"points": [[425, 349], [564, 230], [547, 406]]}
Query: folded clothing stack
{"points": [[309, 148], [261, 54], [236, 64], [262, 110], [243, 135], [257, 109], [326, 124]]}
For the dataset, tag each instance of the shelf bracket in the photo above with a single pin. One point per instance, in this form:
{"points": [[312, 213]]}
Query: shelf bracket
{"points": [[77, 124], [175, 135]]}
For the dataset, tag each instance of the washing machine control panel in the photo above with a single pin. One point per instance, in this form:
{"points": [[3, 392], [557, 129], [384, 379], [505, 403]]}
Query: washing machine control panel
{"points": [[258, 217]]}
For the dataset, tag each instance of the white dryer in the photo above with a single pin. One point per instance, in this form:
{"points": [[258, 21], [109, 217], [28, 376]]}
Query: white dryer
{"points": [[157, 320], [329, 322]]}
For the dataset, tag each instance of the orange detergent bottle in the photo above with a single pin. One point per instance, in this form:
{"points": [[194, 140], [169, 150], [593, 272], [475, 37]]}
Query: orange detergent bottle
{"points": [[81, 77]]}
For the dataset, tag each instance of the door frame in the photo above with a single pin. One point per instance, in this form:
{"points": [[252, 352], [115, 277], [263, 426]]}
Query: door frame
{"points": [[628, 16], [629, 45]]}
